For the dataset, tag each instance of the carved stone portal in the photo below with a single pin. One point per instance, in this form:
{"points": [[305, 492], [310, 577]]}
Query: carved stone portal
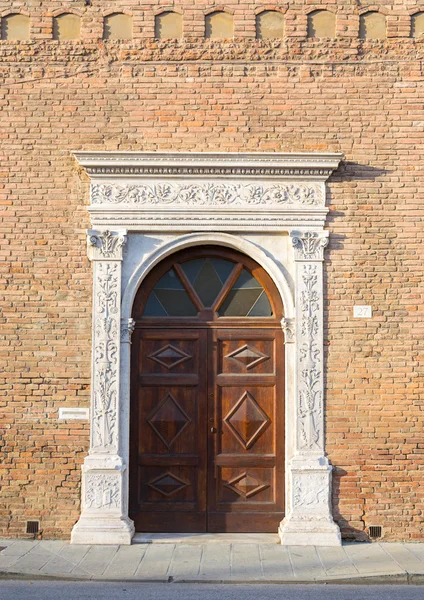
{"points": [[274, 207]]}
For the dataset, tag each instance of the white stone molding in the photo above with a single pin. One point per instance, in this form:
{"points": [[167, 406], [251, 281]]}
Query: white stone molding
{"points": [[300, 166], [144, 191], [235, 242], [167, 202], [310, 520], [104, 478]]}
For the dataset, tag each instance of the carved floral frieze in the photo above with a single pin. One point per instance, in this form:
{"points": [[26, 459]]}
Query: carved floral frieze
{"points": [[208, 194]]}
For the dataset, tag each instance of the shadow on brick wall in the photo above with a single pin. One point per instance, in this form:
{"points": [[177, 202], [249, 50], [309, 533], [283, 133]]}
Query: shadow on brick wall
{"points": [[348, 531], [342, 203]]}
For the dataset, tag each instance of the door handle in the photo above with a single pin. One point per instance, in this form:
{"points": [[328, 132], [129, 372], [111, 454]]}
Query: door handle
{"points": [[213, 430]]}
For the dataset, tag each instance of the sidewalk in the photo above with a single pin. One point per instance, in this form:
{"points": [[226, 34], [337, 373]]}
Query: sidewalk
{"points": [[227, 558]]}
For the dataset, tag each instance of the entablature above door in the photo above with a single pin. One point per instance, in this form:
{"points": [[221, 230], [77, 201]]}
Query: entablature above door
{"points": [[208, 191]]}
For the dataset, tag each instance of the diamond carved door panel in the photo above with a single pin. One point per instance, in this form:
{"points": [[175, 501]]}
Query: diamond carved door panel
{"points": [[246, 478]]}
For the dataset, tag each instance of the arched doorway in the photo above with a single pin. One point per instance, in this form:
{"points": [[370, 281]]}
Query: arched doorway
{"points": [[207, 396]]}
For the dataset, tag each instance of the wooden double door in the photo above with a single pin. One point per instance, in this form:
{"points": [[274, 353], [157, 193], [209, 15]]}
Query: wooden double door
{"points": [[207, 426]]}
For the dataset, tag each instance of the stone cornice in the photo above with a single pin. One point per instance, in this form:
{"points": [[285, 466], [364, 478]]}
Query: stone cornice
{"points": [[301, 166]]}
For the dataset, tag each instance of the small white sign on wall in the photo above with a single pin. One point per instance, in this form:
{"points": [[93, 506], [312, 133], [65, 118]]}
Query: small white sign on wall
{"points": [[362, 312], [74, 414]]}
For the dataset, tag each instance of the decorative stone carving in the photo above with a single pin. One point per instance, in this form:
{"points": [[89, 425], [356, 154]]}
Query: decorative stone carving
{"points": [[127, 329], [208, 194], [309, 520], [211, 193], [106, 330], [106, 244], [309, 408], [289, 330], [309, 245], [310, 492], [104, 518], [102, 491]]}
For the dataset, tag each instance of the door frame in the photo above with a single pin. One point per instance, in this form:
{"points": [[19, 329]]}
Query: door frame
{"points": [[214, 328], [144, 207]]}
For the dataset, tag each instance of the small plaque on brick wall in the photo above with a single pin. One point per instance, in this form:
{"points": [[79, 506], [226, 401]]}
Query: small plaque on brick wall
{"points": [[362, 312], [79, 414]]}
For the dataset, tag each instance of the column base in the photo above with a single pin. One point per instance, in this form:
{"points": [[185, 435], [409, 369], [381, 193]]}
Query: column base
{"points": [[101, 530], [296, 532]]}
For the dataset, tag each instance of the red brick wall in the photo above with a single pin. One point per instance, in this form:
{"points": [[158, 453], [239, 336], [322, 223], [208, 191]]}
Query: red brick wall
{"points": [[363, 99]]}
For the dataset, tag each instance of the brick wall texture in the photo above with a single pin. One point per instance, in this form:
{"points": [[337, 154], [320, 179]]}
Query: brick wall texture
{"points": [[362, 98]]}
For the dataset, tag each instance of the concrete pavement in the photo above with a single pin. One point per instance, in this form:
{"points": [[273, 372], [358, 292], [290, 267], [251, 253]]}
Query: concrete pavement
{"points": [[224, 558]]}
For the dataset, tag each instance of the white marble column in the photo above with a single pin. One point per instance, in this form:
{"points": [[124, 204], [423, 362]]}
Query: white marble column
{"points": [[309, 520], [104, 517]]}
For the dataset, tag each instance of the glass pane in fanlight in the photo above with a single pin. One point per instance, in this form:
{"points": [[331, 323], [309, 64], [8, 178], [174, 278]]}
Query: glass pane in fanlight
{"points": [[247, 281], [192, 268], [169, 281], [177, 303], [169, 299], [207, 277], [262, 307], [223, 268], [246, 298], [154, 308]]}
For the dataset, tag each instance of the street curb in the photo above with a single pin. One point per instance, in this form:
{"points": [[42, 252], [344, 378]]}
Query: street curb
{"points": [[390, 579]]}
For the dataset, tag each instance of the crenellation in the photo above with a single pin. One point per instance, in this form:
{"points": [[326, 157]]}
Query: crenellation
{"points": [[238, 21]]}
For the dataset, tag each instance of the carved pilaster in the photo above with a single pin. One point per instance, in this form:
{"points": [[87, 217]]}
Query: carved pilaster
{"points": [[103, 519], [310, 520]]}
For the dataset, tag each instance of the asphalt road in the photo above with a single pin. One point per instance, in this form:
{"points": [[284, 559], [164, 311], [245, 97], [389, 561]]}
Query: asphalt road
{"points": [[68, 590]]}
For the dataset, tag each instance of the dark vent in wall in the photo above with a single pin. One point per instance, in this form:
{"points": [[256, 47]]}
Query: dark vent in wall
{"points": [[32, 527], [375, 531]]}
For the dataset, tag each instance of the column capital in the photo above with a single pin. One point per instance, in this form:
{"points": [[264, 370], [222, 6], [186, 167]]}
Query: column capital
{"points": [[309, 245], [106, 245], [127, 329], [288, 327]]}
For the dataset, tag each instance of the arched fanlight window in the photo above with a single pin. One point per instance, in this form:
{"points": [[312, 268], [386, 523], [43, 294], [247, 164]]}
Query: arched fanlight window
{"points": [[210, 283]]}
